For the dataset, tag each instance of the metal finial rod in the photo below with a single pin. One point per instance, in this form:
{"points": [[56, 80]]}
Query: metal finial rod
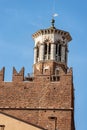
{"points": [[52, 22]]}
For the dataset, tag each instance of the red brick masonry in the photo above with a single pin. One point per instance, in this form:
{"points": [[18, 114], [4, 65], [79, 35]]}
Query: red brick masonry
{"points": [[39, 100]]}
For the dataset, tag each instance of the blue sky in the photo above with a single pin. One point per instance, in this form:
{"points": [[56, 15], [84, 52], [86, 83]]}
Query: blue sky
{"points": [[19, 19]]}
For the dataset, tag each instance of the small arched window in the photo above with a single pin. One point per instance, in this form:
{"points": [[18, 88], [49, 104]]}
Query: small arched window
{"points": [[56, 71], [2, 127]]}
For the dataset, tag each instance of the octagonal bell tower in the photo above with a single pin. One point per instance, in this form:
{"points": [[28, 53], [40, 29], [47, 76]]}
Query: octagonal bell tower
{"points": [[50, 51]]}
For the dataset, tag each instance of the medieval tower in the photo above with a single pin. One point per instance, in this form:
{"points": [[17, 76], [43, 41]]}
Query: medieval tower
{"points": [[44, 100]]}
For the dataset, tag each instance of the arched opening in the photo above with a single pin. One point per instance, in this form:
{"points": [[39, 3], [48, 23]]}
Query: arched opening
{"points": [[56, 52], [2, 127], [56, 71], [45, 51], [56, 48], [49, 51], [37, 53], [59, 54]]}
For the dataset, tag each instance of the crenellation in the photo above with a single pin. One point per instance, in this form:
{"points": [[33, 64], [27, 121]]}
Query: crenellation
{"points": [[2, 74], [18, 76]]}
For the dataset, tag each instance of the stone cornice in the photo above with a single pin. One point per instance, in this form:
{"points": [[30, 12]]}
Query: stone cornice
{"points": [[53, 30]]}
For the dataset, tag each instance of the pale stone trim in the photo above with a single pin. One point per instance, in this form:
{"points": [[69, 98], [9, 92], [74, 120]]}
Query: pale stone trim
{"points": [[52, 30], [53, 50], [35, 55], [41, 56]]}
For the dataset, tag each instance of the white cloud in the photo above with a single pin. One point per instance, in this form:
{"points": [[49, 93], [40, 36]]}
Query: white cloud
{"points": [[55, 15]]}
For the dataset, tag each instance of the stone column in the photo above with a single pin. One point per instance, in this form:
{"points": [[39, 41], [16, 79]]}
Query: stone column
{"points": [[35, 55], [63, 54], [41, 56], [53, 51]]}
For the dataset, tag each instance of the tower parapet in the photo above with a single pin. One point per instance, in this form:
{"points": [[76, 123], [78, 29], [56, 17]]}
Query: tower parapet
{"points": [[18, 76]]}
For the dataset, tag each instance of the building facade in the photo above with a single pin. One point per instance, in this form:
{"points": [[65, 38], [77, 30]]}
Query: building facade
{"points": [[46, 98]]}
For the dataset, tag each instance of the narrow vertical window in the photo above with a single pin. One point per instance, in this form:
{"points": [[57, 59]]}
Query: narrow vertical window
{"points": [[59, 53], [45, 51], [2, 127], [37, 52], [56, 48], [49, 51], [56, 52]]}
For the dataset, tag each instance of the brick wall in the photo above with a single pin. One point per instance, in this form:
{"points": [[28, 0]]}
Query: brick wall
{"points": [[40, 99]]}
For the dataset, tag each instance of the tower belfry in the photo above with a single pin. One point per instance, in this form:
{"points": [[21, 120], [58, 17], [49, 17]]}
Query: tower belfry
{"points": [[51, 50]]}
